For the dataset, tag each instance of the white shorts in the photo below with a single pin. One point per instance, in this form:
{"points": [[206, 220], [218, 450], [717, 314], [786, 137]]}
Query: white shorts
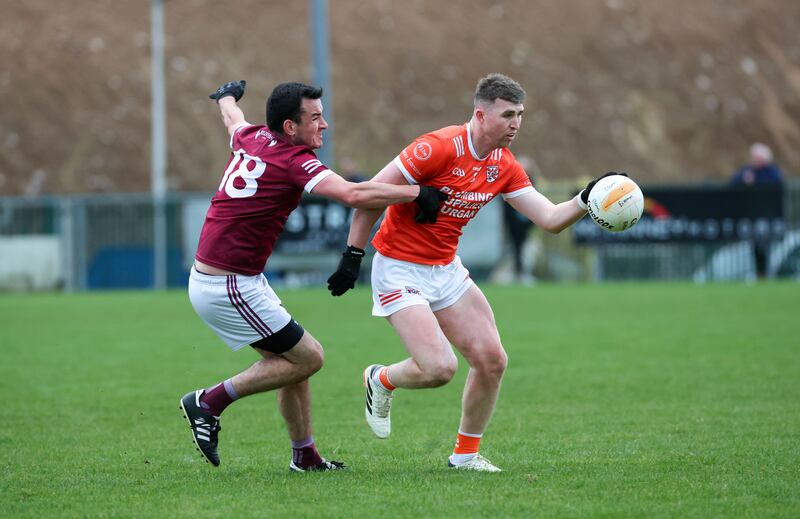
{"points": [[240, 309], [398, 284]]}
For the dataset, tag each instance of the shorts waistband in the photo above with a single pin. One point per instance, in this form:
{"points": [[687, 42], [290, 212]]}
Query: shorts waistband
{"points": [[453, 264], [209, 279]]}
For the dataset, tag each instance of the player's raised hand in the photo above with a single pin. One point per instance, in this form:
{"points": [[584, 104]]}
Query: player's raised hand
{"points": [[231, 88], [590, 185], [429, 201], [346, 274]]}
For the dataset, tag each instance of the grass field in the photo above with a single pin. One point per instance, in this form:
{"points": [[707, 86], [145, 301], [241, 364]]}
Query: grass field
{"points": [[621, 400]]}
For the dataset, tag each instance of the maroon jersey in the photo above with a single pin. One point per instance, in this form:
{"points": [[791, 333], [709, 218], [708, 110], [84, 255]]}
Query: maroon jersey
{"points": [[263, 183]]}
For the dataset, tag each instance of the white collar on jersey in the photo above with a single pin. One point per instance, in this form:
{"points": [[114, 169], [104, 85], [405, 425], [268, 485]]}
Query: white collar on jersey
{"points": [[471, 147]]}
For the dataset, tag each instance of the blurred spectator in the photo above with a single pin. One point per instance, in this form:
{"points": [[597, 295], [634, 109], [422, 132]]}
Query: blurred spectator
{"points": [[518, 228], [760, 170], [348, 168]]}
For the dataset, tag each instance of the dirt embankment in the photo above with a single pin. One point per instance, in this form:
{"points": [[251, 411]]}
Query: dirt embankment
{"points": [[670, 91]]}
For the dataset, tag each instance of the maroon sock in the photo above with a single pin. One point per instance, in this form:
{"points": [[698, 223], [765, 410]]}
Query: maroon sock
{"points": [[216, 399], [305, 457]]}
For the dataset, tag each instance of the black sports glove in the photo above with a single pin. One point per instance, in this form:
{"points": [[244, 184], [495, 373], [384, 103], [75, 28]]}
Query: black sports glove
{"points": [[429, 201], [590, 185], [231, 88], [346, 275]]}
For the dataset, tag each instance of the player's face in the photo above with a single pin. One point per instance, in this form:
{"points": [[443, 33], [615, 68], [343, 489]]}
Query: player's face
{"points": [[312, 124], [502, 121]]}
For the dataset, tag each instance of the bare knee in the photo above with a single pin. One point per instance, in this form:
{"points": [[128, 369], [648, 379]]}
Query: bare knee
{"points": [[316, 358], [308, 356], [439, 373], [492, 362]]}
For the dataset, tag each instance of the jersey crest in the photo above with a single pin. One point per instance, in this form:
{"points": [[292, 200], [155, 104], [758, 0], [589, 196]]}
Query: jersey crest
{"points": [[491, 173]]}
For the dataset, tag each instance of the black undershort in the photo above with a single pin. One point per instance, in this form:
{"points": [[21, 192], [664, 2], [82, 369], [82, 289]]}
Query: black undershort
{"points": [[283, 340]]}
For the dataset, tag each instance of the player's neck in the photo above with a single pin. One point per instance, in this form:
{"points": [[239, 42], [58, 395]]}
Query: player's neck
{"points": [[482, 145]]}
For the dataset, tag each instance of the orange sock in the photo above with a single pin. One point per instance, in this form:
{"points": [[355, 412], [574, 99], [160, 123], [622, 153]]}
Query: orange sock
{"points": [[467, 443], [383, 376]]}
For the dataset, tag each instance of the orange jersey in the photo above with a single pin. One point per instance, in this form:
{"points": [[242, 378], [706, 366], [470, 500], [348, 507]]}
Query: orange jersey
{"points": [[446, 159]]}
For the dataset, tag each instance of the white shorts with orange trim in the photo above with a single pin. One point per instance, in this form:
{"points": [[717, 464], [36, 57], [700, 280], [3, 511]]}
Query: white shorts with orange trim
{"points": [[239, 309], [399, 284]]}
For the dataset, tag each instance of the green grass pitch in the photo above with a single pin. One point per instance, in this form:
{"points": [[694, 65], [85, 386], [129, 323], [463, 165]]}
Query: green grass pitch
{"points": [[621, 400]]}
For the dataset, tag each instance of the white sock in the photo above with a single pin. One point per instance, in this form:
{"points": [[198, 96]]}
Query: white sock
{"points": [[458, 459]]}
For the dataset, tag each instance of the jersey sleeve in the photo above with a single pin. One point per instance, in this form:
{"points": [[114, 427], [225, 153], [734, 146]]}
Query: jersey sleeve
{"points": [[518, 184], [237, 135], [423, 158], [306, 171]]}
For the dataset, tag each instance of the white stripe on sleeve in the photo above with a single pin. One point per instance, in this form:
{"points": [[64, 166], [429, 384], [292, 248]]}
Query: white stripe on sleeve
{"points": [[311, 184], [518, 192], [399, 163]]}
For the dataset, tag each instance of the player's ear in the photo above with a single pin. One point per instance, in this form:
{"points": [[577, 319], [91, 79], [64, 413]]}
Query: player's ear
{"points": [[289, 127]]}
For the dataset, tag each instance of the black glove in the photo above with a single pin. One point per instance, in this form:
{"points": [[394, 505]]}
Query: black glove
{"points": [[346, 275], [429, 201], [590, 185], [231, 88]]}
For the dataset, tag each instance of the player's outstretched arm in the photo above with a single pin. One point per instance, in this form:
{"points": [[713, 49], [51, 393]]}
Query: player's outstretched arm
{"points": [[545, 214], [365, 195], [226, 97], [552, 217], [388, 187]]}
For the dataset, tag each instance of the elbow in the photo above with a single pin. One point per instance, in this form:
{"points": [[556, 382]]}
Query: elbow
{"points": [[554, 228], [362, 196], [356, 197]]}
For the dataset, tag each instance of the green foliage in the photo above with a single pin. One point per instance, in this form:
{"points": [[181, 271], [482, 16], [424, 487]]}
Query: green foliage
{"points": [[621, 400]]}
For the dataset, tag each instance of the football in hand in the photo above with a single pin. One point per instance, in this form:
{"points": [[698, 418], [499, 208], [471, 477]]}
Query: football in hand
{"points": [[616, 203]]}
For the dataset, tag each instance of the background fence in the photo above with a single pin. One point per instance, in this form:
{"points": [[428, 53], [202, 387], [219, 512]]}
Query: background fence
{"points": [[100, 242]]}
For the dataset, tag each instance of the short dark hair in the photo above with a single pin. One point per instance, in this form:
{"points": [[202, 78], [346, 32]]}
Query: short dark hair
{"points": [[285, 102], [498, 86]]}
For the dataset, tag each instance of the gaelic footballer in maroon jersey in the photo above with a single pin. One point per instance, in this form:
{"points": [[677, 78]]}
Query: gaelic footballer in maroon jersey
{"points": [[268, 170], [262, 184]]}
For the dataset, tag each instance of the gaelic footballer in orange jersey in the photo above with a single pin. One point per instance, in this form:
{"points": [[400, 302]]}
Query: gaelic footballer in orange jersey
{"points": [[418, 281], [446, 159]]}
